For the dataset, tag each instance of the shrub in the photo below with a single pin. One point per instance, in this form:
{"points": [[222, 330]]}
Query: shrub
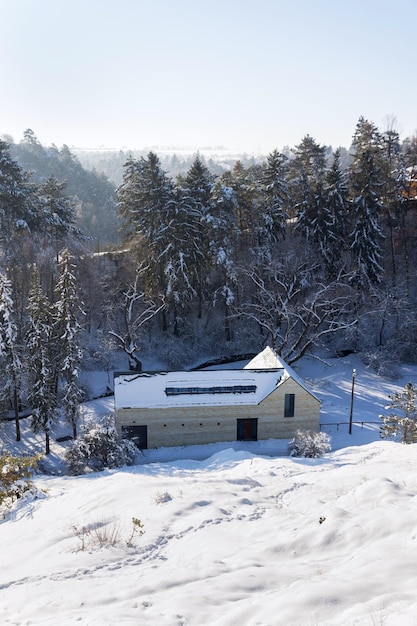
{"points": [[309, 444], [104, 534], [15, 476], [99, 446]]}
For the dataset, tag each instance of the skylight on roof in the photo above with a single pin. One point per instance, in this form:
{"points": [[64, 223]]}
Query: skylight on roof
{"points": [[177, 391]]}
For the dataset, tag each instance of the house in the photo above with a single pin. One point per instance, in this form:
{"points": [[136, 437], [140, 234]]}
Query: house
{"points": [[266, 399]]}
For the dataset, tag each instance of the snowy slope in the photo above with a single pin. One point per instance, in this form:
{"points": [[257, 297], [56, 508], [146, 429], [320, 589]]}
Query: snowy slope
{"points": [[232, 536]]}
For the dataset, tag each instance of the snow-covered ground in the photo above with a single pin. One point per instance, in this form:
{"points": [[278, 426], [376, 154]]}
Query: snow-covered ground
{"points": [[234, 534]]}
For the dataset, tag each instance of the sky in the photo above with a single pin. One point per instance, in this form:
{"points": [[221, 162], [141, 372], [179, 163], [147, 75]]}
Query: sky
{"points": [[247, 75]]}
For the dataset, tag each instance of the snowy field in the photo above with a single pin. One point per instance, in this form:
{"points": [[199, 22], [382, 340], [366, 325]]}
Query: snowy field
{"points": [[234, 534]]}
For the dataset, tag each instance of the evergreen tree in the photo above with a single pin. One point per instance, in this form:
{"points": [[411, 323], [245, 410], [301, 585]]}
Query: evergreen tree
{"points": [[17, 207], [181, 254], [366, 181], [307, 175], [394, 191], [244, 201], [223, 235], [334, 226], [67, 328], [42, 395], [58, 210], [9, 357], [403, 421], [197, 189], [152, 215], [273, 199], [129, 200], [143, 198]]}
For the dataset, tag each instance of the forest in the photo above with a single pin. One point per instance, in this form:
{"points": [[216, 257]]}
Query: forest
{"points": [[308, 250]]}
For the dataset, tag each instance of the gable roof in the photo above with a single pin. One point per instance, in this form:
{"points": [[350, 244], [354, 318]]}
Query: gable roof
{"points": [[247, 386], [269, 358]]}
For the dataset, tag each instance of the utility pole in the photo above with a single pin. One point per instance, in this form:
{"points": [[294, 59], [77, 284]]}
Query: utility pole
{"points": [[351, 401]]}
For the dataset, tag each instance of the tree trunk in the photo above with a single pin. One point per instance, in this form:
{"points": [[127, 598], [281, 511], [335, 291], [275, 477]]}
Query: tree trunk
{"points": [[16, 413]]}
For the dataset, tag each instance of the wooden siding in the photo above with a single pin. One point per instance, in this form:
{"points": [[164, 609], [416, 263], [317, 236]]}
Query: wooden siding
{"points": [[209, 424]]}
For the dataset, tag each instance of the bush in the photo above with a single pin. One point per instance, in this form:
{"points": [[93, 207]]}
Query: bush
{"points": [[309, 444], [15, 475], [99, 446]]}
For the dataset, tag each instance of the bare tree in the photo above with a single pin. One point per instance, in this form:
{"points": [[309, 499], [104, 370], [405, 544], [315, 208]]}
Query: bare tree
{"points": [[294, 308], [137, 309]]}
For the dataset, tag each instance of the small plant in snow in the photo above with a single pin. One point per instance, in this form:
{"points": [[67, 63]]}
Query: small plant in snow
{"points": [[309, 444], [103, 534], [98, 447], [160, 498], [137, 529]]}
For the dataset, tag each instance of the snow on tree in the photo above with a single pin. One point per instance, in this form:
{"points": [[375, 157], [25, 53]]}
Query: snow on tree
{"points": [[17, 207], [273, 200], [99, 446], [67, 310], [366, 188], [142, 198], [394, 191], [332, 239], [223, 235], [197, 188], [294, 306], [402, 422], [307, 172], [58, 210], [42, 388], [240, 181], [309, 444], [9, 350], [136, 310]]}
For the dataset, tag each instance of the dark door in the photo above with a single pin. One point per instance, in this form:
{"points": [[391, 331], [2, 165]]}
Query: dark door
{"points": [[138, 434], [247, 429]]}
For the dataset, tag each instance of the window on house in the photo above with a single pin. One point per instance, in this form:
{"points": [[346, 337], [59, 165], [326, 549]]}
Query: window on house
{"points": [[289, 405]]}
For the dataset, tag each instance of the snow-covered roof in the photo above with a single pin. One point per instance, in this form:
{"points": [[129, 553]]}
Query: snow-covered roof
{"points": [[269, 358], [247, 386], [204, 387]]}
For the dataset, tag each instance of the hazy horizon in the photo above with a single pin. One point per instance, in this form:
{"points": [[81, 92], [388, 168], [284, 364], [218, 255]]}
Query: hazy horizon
{"points": [[248, 75]]}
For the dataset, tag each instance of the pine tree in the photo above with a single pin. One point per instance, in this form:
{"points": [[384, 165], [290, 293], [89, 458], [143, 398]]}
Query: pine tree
{"points": [[394, 191], [403, 421], [273, 199], [9, 356], [147, 204], [366, 188], [17, 206], [57, 209], [244, 201], [307, 174], [129, 200], [223, 235], [143, 197], [180, 253], [42, 395], [67, 328], [334, 231], [197, 190]]}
